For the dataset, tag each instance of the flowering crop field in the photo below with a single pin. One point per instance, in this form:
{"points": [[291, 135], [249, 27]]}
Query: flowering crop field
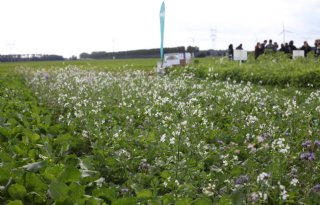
{"points": [[88, 136]]}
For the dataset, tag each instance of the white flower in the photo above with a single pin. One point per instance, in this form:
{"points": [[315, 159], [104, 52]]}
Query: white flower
{"points": [[163, 138], [225, 163], [172, 140], [177, 182], [263, 195], [280, 146], [294, 182], [85, 133], [100, 181], [263, 177], [209, 190], [184, 123], [254, 196], [251, 119], [284, 193]]}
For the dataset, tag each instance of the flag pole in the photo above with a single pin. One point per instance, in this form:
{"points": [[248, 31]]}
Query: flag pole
{"points": [[162, 18]]}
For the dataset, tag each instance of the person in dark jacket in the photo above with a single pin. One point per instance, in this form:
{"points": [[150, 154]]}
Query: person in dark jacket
{"points": [[317, 48], [306, 48], [263, 46], [239, 47], [292, 47], [230, 52], [257, 51], [270, 45]]}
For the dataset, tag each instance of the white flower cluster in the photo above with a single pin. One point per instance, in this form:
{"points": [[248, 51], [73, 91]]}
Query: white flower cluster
{"points": [[279, 145], [209, 189], [263, 178], [283, 192]]}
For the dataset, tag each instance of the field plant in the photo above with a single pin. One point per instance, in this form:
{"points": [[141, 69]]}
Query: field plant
{"points": [[270, 69], [81, 136]]}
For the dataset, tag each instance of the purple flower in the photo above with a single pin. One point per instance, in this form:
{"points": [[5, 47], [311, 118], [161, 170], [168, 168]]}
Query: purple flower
{"points": [[308, 156], [306, 144], [46, 76], [124, 191], [316, 188], [242, 179], [220, 141], [317, 143]]}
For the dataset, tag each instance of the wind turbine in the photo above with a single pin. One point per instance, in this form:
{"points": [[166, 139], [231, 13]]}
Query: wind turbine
{"points": [[193, 40], [283, 32]]}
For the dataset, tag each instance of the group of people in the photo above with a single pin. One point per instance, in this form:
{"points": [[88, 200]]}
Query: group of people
{"points": [[285, 47], [269, 47]]}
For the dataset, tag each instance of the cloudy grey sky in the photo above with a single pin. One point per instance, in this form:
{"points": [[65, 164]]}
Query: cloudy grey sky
{"points": [[70, 27]]}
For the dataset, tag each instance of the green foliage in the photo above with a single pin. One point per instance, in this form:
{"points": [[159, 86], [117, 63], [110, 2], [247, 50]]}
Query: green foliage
{"points": [[15, 202], [17, 191], [275, 70], [58, 191], [210, 133]]}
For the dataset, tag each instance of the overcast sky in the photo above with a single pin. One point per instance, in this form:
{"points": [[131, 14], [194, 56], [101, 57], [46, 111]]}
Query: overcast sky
{"points": [[70, 27]]}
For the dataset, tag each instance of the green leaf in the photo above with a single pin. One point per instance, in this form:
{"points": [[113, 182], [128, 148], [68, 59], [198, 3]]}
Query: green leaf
{"points": [[17, 191], [55, 129], [94, 201], [69, 174], [236, 171], [167, 199], [18, 150], [5, 132], [144, 194], [15, 202], [64, 138], [165, 174], [76, 191], [5, 157], [225, 200], [23, 119], [125, 201], [47, 121], [58, 191], [4, 176], [107, 194], [52, 172], [34, 137], [202, 201], [184, 201], [33, 182], [237, 197]]}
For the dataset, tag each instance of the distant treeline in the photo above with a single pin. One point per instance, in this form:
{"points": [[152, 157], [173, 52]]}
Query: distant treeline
{"points": [[142, 53], [31, 57], [150, 53]]}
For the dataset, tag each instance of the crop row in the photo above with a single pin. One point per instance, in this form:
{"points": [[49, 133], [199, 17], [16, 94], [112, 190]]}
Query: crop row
{"points": [[133, 137], [274, 70]]}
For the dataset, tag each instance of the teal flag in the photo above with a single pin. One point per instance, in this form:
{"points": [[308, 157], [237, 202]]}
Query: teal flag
{"points": [[162, 15]]}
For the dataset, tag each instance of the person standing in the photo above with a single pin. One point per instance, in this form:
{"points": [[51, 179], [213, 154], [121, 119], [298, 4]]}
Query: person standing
{"points": [[269, 45], [239, 47], [275, 46], [292, 47], [257, 51], [230, 52], [263, 46], [317, 48], [306, 48]]}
